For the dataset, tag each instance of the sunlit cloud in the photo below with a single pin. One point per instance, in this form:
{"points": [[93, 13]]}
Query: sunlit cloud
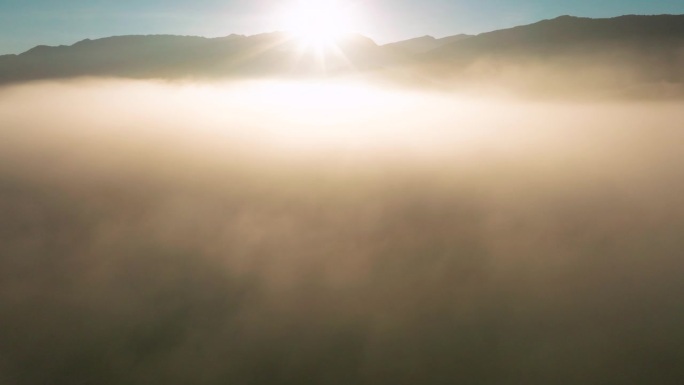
{"points": [[331, 221]]}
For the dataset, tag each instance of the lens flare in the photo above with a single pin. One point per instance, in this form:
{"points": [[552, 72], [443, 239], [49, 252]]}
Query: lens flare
{"points": [[318, 24]]}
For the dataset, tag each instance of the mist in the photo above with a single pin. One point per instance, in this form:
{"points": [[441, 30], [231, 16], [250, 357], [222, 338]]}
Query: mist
{"points": [[336, 232]]}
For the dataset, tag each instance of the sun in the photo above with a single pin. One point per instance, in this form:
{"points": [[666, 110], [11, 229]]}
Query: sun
{"points": [[318, 23]]}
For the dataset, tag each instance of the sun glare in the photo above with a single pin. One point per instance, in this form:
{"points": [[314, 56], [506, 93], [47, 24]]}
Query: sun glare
{"points": [[318, 23]]}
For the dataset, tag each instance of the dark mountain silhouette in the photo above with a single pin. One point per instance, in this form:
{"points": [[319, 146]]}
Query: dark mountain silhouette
{"points": [[167, 56], [618, 53], [423, 44], [567, 34]]}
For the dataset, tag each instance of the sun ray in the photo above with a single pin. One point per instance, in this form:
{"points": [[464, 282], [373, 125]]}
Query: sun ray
{"points": [[318, 24], [318, 28]]}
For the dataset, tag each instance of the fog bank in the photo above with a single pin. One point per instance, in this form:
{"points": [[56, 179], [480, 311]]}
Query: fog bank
{"points": [[336, 233]]}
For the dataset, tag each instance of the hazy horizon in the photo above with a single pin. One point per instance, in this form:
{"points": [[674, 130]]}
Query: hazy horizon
{"points": [[377, 40], [28, 24]]}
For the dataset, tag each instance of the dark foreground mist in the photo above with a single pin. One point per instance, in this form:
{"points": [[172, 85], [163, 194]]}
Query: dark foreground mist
{"points": [[321, 234]]}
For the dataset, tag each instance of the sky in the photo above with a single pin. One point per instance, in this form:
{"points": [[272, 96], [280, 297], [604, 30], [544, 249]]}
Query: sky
{"points": [[25, 24]]}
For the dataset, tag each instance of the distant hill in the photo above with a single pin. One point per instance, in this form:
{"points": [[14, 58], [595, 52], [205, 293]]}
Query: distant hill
{"points": [[567, 34], [622, 52], [167, 56], [580, 53], [423, 44]]}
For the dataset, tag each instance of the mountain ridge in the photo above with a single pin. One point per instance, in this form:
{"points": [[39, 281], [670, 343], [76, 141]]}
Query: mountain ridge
{"points": [[573, 30], [424, 44], [610, 52]]}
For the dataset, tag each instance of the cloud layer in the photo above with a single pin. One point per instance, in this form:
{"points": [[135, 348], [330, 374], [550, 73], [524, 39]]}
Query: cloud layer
{"points": [[211, 234]]}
